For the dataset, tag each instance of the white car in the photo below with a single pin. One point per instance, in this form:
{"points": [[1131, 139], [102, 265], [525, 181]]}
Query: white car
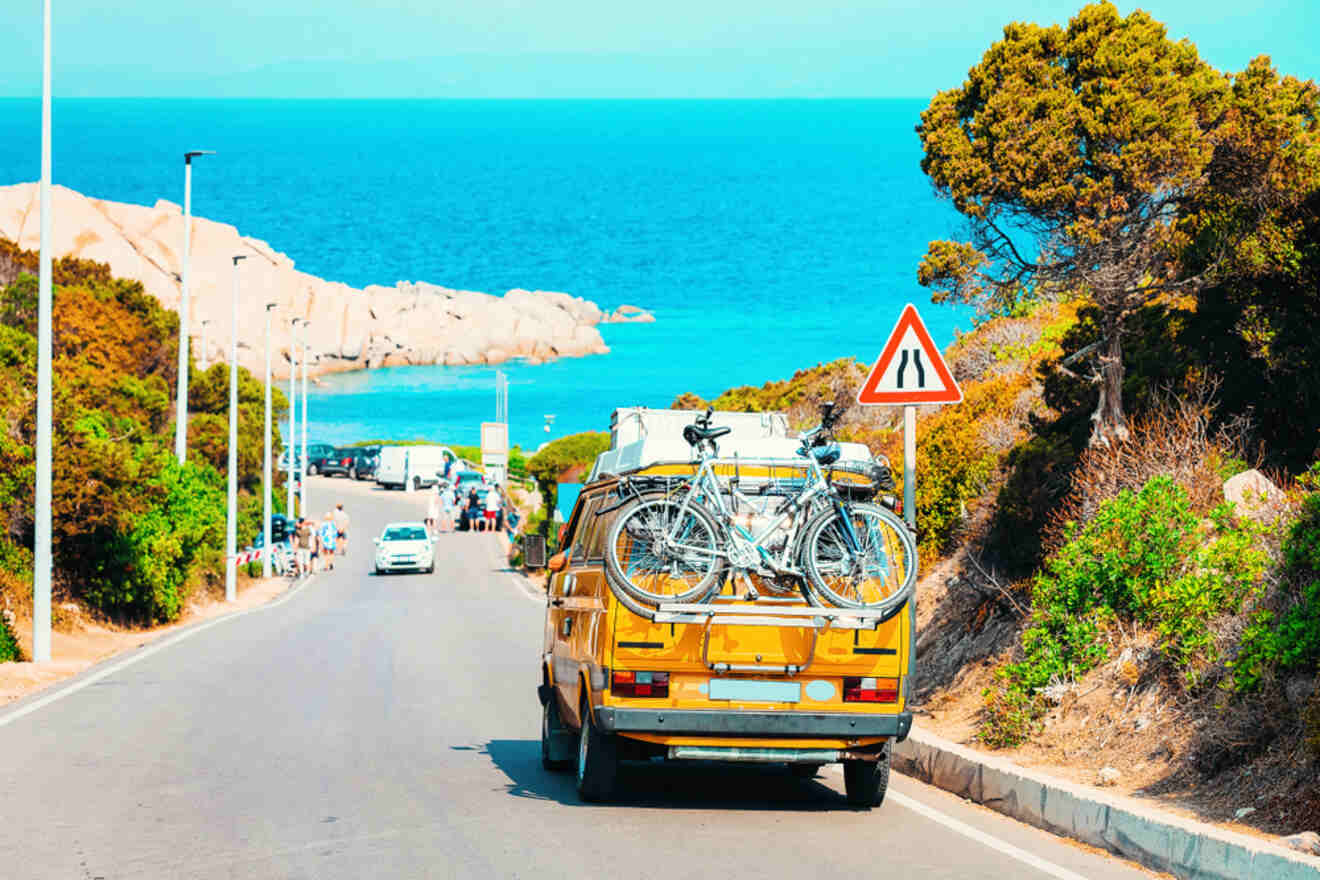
{"points": [[404, 546]]}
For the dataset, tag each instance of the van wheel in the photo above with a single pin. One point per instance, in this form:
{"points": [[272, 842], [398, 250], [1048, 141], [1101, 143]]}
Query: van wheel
{"points": [[556, 739], [867, 781], [597, 760]]}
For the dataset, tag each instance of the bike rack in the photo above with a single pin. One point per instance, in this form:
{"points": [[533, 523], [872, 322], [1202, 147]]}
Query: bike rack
{"points": [[765, 613]]}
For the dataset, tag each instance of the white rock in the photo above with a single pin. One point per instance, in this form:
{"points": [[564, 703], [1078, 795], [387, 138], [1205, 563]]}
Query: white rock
{"points": [[410, 322], [1303, 841], [1243, 813], [1251, 491], [1109, 776]]}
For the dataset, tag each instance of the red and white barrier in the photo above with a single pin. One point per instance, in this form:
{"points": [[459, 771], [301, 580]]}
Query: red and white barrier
{"points": [[247, 556]]}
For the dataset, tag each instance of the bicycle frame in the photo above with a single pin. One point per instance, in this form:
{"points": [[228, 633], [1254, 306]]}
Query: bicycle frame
{"points": [[707, 484]]}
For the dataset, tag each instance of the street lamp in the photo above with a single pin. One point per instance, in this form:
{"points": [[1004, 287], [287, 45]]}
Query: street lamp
{"points": [[265, 463], [291, 444], [302, 484], [206, 323], [231, 522], [41, 544], [181, 418]]}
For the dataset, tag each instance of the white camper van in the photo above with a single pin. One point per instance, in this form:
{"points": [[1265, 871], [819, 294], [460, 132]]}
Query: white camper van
{"points": [[418, 467]]}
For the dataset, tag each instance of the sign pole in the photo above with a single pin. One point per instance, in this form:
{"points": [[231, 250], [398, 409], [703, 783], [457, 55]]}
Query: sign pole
{"points": [[910, 466]]}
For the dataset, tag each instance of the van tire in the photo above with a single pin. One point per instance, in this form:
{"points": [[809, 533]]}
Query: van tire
{"points": [[867, 781], [557, 741], [597, 760]]}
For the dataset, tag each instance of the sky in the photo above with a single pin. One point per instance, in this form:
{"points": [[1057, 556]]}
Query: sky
{"points": [[576, 48]]}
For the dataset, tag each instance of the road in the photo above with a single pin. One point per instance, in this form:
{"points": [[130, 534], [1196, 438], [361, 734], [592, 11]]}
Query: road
{"points": [[387, 727]]}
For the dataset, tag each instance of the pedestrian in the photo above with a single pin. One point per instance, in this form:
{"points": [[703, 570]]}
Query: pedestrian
{"points": [[303, 539], [448, 507], [474, 510], [329, 532], [433, 511], [314, 544], [341, 523], [493, 502]]}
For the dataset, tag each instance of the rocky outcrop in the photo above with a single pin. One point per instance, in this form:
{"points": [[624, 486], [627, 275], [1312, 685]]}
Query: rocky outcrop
{"points": [[350, 329]]}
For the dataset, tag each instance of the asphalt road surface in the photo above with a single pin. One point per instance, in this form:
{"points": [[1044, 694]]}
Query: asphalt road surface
{"points": [[388, 727]]}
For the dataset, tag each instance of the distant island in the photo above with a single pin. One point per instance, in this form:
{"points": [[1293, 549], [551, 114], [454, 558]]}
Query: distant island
{"points": [[350, 329]]}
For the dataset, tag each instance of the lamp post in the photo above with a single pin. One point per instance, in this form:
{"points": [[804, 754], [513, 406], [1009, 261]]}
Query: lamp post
{"points": [[291, 444], [41, 545], [231, 521], [302, 494], [181, 416], [265, 463], [206, 323]]}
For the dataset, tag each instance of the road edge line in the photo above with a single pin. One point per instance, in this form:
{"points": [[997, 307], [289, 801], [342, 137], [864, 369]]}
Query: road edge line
{"points": [[1183, 847], [983, 837], [116, 662]]}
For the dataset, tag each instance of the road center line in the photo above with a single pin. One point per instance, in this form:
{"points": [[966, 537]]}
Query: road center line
{"points": [[146, 652]]}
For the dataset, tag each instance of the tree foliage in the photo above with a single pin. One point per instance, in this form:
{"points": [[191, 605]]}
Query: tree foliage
{"points": [[1108, 160], [132, 529]]}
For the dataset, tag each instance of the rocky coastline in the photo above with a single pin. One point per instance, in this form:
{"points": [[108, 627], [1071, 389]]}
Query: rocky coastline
{"points": [[348, 329]]}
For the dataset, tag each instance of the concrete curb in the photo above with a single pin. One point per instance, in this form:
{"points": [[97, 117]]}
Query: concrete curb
{"points": [[1182, 847]]}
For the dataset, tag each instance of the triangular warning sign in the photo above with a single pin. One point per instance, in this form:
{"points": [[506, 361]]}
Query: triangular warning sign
{"points": [[910, 368]]}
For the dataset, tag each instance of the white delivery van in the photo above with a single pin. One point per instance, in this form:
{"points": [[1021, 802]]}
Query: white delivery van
{"points": [[418, 467], [392, 470]]}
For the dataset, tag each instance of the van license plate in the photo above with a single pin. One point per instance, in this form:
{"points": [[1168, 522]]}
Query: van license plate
{"points": [[755, 691]]}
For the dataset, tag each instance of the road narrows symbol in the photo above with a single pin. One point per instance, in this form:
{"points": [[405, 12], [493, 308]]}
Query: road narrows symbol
{"points": [[901, 375]]}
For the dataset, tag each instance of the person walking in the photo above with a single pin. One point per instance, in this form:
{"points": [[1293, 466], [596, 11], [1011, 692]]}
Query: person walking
{"points": [[448, 507], [433, 511], [329, 532], [303, 539], [493, 502], [341, 523], [473, 512]]}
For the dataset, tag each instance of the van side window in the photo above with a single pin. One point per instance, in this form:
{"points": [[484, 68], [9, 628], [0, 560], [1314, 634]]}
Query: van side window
{"points": [[600, 529], [584, 525]]}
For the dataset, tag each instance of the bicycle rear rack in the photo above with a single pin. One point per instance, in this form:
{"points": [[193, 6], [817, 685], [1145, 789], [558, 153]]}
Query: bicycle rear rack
{"points": [[765, 613]]}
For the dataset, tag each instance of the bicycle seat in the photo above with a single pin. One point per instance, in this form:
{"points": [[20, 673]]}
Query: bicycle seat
{"points": [[695, 434], [824, 455]]}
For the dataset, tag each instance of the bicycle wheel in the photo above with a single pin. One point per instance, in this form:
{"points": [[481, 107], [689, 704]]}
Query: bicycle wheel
{"points": [[658, 551], [878, 573]]}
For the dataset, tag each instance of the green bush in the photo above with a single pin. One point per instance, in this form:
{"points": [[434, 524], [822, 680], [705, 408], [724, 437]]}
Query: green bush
{"points": [[1012, 715], [1287, 637], [558, 456], [1144, 558]]}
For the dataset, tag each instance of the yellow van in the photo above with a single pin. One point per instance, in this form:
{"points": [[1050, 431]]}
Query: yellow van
{"points": [[742, 675]]}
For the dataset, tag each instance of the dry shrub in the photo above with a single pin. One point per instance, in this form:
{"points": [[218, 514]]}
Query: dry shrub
{"points": [[1175, 438]]}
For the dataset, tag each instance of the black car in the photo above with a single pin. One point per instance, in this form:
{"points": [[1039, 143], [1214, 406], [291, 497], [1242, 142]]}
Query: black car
{"points": [[340, 464], [318, 454], [354, 462]]}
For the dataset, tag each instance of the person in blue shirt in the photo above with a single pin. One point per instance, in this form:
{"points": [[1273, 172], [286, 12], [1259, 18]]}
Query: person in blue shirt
{"points": [[327, 534]]}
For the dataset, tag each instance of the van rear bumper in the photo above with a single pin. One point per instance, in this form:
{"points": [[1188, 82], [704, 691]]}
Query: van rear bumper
{"points": [[717, 721]]}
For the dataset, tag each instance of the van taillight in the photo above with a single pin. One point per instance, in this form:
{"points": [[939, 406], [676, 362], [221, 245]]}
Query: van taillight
{"points": [[640, 684], [870, 690]]}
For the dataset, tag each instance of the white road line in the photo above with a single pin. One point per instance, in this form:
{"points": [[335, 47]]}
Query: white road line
{"points": [[983, 838], [144, 653]]}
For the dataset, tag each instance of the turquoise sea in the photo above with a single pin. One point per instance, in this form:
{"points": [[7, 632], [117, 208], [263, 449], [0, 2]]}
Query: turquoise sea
{"points": [[766, 236]]}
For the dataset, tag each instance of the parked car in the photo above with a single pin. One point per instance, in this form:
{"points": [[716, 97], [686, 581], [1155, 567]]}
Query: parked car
{"points": [[350, 461], [404, 546], [365, 461], [318, 455]]}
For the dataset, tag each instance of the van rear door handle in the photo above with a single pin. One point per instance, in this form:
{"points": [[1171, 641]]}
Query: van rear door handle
{"points": [[556, 602]]}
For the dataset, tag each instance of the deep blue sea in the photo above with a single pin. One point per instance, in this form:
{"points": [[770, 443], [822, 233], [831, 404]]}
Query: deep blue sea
{"points": [[766, 236]]}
